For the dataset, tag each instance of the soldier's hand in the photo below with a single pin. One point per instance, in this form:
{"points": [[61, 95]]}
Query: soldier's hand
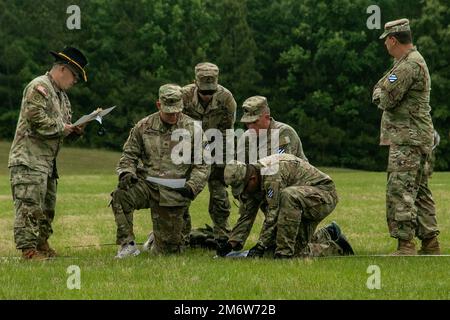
{"points": [[127, 180], [256, 252], [185, 192], [79, 130], [68, 128], [223, 248]]}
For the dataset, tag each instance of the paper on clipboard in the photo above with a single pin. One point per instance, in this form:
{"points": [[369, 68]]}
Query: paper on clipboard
{"points": [[95, 115]]}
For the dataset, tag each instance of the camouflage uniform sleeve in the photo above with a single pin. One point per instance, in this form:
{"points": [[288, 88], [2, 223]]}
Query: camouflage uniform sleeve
{"points": [[267, 236], [34, 110], [231, 108], [199, 173], [396, 85], [132, 152], [290, 143], [248, 210]]}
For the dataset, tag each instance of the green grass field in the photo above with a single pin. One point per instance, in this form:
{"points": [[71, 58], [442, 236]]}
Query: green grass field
{"points": [[84, 225]]}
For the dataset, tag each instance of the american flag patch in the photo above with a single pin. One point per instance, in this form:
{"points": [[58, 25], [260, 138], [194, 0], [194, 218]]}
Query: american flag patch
{"points": [[392, 78]]}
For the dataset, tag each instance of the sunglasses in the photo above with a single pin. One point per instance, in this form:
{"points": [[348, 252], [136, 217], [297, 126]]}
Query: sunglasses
{"points": [[207, 92]]}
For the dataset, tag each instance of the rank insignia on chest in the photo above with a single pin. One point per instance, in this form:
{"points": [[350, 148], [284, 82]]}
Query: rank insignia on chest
{"points": [[392, 78], [270, 193]]}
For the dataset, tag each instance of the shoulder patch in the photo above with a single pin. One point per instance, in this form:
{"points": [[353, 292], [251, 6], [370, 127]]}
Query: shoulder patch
{"points": [[42, 90], [392, 78]]}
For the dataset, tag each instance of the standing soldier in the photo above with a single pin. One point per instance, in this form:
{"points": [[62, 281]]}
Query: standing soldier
{"points": [[257, 117], [44, 121], [155, 186], [213, 105], [403, 94], [297, 197]]}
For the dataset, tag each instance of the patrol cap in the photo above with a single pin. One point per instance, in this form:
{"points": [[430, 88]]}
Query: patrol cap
{"points": [[253, 108], [170, 97], [395, 26], [235, 175], [207, 76]]}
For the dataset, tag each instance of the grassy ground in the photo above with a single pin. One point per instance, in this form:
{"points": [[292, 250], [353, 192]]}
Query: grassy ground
{"points": [[84, 222]]}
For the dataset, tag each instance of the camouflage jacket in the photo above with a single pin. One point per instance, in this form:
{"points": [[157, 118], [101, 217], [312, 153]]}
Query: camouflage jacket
{"points": [[150, 143], [40, 128], [220, 112], [289, 141], [291, 171], [403, 94]]}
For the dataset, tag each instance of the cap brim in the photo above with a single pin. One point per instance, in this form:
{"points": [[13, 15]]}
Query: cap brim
{"points": [[174, 108], [249, 119], [384, 35], [81, 73], [206, 86]]}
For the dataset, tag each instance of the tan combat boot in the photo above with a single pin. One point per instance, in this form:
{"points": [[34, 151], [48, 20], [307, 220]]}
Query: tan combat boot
{"points": [[405, 248], [430, 246], [45, 248], [33, 254]]}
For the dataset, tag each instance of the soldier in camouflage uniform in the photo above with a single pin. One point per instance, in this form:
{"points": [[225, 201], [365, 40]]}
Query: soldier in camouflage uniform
{"points": [[150, 141], [297, 196], [44, 122], [403, 94], [213, 105], [257, 117]]}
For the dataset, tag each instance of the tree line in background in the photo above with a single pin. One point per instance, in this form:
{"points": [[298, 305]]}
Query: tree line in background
{"points": [[315, 60]]}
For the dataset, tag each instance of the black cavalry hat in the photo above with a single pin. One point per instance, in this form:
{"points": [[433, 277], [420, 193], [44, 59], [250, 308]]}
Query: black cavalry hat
{"points": [[74, 58]]}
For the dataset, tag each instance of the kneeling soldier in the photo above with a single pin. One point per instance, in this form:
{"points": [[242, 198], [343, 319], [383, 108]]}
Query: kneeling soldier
{"points": [[150, 142], [296, 198]]}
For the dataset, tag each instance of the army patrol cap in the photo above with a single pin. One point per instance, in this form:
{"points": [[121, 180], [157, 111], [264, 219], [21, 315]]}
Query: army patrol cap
{"points": [[395, 26], [253, 108], [170, 97], [207, 76], [235, 175]]}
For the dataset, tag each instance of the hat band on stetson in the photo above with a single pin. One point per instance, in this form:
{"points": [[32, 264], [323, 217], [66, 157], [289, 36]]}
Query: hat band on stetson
{"points": [[75, 63]]}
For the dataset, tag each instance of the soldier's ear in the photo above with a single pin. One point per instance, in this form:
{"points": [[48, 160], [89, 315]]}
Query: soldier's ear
{"points": [[158, 104]]}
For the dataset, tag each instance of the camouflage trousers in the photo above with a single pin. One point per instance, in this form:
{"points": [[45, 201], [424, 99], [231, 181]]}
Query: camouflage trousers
{"points": [[301, 209], [410, 208], [168, 222], [34, 195], [219, 205]]}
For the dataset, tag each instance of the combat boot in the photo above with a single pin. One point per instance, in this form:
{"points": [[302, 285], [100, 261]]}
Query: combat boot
{"points": [[33, 254], [405, 248], [45, 248], [430, 246]]}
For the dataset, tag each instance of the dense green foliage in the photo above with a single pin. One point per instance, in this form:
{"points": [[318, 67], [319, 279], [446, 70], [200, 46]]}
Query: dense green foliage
{"points": [[315, 60]]}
